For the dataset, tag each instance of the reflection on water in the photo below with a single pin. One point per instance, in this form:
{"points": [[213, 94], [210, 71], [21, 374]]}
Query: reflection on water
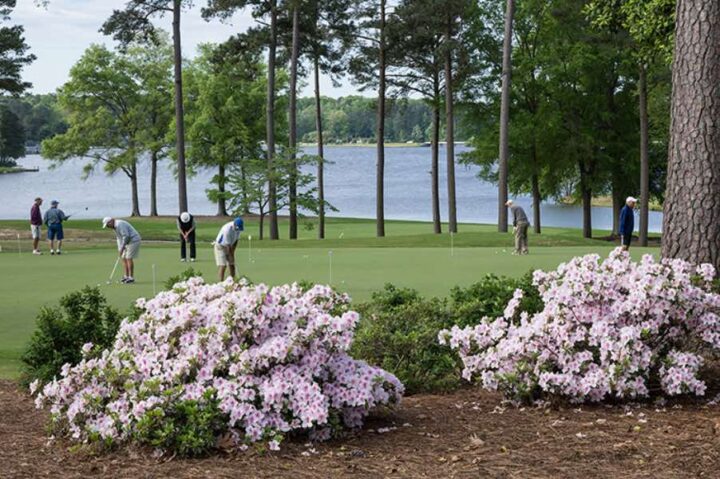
{"points": [[349, 180]]}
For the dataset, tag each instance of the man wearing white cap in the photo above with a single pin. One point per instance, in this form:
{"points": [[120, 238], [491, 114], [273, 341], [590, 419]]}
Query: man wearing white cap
{"points": [[520, 227], [186, 226], [128, 241], [627, 222]]}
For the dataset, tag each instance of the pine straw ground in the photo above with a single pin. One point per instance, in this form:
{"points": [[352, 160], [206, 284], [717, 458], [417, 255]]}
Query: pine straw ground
{"points": [[465, 434]]}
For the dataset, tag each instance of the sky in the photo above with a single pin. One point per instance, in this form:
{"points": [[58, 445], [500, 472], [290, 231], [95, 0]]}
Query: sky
{"points": [[59, 34]]}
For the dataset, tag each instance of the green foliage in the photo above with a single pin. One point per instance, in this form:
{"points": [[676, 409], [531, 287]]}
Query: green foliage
{"points": [[81, 317], [187, 428], [14, 54], [12, 137], [40, 115], [178, 278], [398, 330]]}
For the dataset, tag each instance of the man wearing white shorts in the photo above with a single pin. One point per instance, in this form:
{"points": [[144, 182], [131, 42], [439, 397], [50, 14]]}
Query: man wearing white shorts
{"points": [[128, 241], [224, 246]]}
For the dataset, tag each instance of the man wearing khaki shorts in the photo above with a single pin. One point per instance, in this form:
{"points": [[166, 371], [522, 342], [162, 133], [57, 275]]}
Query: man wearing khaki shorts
{"points": [[224, 246], [128, 241]]}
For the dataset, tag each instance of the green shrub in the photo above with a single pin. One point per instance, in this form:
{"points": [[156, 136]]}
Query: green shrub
{"points": [[184, 276], [489, 297], [188, 428], [398, 332], [399, 328], [81, 317]]}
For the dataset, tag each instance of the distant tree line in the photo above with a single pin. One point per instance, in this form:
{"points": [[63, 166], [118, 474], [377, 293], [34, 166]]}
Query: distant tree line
{"points": [[350, 119]]}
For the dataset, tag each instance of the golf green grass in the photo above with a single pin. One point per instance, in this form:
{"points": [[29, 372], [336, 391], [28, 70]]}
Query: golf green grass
{"points": [[427, 263]]}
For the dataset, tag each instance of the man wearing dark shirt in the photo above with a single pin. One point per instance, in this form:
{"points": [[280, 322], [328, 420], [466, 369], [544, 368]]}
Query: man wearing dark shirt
{"points": [[36, 222], [627, 222], [520, 227], [53, 219]]}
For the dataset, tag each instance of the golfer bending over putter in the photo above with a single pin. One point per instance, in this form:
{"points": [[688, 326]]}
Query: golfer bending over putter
{"points": [[520, 227], [225, 245], [186, 228], [128, 241]]}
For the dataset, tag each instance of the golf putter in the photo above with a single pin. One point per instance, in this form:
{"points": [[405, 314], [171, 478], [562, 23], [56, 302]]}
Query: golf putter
{"points": [[112, 275]]}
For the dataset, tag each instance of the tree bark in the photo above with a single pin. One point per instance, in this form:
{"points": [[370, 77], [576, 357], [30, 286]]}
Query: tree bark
{"points": [[134, 186], [505, 118], [293, 122], [435, 146], [321, 153], [179, 110], [644, 157], [691, 221], [380, 167], [536, 198], [617, 204], [450, 130], [154, 159], [586, 195], [221, 202], [270, 125]]}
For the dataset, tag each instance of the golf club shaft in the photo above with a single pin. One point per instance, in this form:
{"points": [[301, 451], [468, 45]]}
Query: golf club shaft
{"points": [[112, 275]]}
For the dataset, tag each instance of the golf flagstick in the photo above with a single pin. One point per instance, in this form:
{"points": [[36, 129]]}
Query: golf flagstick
{"points": [[19, 247], [154, 276], [112, 275]]}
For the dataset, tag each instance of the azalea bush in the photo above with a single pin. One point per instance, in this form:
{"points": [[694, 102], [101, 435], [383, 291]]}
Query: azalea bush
{"points": [[608, 328], [228, 363]]}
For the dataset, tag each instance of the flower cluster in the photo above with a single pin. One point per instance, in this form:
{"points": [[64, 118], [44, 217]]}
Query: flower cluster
{"points": [[609, 328], [272, 361]]}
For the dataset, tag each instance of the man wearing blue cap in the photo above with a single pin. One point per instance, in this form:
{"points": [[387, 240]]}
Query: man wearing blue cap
{"points": [[54, 218], [225, 245]]}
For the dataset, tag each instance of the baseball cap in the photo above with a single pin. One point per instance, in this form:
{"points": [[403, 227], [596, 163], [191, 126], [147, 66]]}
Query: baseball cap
{"points": [[54, 202], [239, 224], [185, 217], [105, 221], [631, 199]]}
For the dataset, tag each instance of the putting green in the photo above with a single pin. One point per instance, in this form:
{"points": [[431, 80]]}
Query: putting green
{"points": [[31, 282]]}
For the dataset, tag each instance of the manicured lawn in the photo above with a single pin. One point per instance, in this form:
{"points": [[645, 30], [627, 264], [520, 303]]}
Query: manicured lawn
{"points": [[410, 255]]}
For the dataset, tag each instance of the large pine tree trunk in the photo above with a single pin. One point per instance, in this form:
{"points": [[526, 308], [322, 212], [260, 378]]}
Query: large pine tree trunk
{"points": [[270, 125], [450, 131], [505, 118], [293, 122], [617, 204], [153, 183], [134, 185], [435, 146], [380, 173], [691, 222], [321, 153], [221, 202], [644, 157], [179, 110]]}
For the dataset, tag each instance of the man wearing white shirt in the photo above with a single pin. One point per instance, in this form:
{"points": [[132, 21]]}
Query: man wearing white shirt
{"points": [[225, 245]]}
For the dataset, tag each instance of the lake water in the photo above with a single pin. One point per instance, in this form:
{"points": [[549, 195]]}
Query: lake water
{"points": [[349, 179]]}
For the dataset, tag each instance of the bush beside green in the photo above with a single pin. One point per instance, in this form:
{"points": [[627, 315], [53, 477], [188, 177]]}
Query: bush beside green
{"points": [[399, 328], [81, 317]]}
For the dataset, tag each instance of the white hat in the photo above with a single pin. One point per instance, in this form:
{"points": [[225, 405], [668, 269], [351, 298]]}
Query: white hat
{"points": [[185, 217], [631, 199], [105, 221]]}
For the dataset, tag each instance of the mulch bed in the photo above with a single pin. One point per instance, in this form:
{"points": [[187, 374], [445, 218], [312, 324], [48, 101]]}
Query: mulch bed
{"points": [[465, 434]]}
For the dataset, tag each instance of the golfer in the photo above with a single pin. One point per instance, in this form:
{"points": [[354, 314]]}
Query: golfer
{"points": [[36, 221], [186, 227], [128, 241], [53, 219], [225, 245], [627, 222], [520, 227]]}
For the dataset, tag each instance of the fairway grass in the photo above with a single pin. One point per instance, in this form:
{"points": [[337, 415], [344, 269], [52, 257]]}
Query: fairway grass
{"points": [[30, 282]]}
